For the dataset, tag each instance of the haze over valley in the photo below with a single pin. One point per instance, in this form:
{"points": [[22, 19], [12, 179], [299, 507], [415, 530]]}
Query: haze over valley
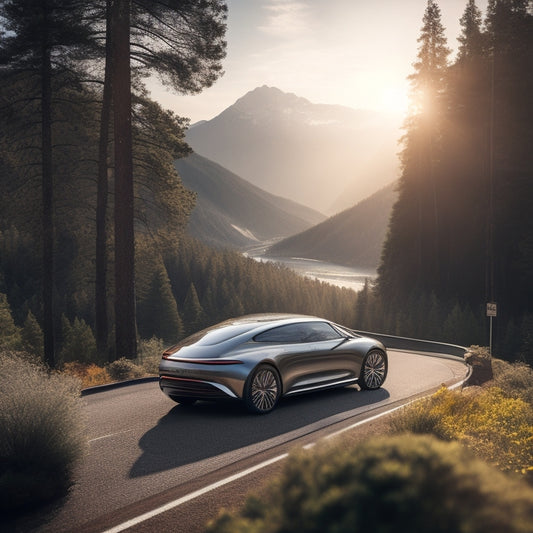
{"points": [[268, 170], [326, 157]]}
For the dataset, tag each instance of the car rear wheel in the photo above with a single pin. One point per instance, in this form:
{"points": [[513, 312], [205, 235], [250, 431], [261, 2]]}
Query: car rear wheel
{"points": [[262, 390], [373, 370], [183, 400]]}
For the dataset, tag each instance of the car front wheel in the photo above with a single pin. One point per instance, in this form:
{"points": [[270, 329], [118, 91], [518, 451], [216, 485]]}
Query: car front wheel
{"points": [[262, 390], [373, 370]]}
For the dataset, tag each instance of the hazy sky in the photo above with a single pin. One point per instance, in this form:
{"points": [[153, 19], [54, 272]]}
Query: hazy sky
{"points": [[351, 52]]}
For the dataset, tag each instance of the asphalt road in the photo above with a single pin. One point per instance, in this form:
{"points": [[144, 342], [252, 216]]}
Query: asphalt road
{"points": [[145, 450]]}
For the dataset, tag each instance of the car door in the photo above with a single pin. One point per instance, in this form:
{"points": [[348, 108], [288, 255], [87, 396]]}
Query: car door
{"points": [[307, 355]]}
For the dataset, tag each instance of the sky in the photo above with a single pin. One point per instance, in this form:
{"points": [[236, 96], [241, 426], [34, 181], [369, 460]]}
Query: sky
{"points": [[356, 53]]}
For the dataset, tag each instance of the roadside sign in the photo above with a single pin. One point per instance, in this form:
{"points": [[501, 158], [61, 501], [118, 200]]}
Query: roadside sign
{"points": [[492, 309]]}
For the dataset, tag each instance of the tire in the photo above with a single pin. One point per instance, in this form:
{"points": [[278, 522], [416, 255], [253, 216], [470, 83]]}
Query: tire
{"points": [[373, 370], [262, 390], [183, 400]]}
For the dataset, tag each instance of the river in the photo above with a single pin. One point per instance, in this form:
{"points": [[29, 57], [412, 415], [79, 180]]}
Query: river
{"points": [[339, 275]]}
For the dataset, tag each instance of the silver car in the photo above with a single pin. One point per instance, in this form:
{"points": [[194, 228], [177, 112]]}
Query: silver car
{"points": [[260, 358]]}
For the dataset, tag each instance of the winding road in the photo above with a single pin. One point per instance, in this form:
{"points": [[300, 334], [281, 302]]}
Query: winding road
{"points": [[145, 451]]}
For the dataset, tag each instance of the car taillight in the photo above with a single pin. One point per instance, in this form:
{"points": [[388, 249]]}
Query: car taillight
{"points": [[204, 361]]}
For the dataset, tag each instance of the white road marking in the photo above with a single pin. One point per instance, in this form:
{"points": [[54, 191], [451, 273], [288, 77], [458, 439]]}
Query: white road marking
{"points": [[200, 492], [343, 430], [193, 495], [109, 435]]}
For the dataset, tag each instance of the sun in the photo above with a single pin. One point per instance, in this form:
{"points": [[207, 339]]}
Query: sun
{"points": [[394, 99]]}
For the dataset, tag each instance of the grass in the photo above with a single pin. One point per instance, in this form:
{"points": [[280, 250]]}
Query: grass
{"points": [[457, 461], [494, 421], [42, 433]]}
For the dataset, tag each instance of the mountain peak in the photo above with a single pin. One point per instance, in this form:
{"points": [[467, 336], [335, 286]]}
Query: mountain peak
{"points": [[315, 154], [266, 97]]}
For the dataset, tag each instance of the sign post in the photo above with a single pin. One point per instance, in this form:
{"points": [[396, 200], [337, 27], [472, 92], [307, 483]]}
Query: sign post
{"points": [[492, 311]]}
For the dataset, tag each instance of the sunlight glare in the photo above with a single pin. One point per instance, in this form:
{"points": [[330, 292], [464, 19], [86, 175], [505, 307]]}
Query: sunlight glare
{"points": [[394, 99]]}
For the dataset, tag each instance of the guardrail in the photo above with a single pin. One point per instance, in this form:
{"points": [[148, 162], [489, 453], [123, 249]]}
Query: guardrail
{"points": [[438, 349], [417, 345]]}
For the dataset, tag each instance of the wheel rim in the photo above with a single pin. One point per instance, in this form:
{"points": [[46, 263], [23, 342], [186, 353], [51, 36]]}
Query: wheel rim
{"points": [[374, 371], [264, 390]]}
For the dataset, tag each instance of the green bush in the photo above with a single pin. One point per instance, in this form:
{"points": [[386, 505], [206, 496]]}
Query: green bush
{"points": [[123, 369], [149, 354], [78, 342], [41, 433], [496, 427], [417, 483], [515, 379], [420, 418]]}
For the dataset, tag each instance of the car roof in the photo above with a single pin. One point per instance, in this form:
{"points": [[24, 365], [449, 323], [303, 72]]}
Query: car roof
{"points": [[234, 328], [260, 322], [269, 319]]}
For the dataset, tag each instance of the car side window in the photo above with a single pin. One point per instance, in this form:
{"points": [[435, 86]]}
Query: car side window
{"points": [[299, 333]]}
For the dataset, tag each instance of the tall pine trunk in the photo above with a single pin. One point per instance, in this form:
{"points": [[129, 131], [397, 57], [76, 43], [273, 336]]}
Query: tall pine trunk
{"points": [[125, 330], [102, 319], [47, 199]]}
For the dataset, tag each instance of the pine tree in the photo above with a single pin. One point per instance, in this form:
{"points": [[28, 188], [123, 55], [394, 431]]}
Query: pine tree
{"points": [[32, 336], [184, 44], [510, 34], [413, 247], [472, 41], [9, 333], [158, 312], [193, 313], [78, 343], [39, 35]]}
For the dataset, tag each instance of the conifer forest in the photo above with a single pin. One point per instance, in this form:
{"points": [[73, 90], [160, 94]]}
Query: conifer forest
{"points": [[87, 196]]}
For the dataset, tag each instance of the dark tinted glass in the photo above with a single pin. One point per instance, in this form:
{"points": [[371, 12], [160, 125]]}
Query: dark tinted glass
{"points": [[303, 332]]}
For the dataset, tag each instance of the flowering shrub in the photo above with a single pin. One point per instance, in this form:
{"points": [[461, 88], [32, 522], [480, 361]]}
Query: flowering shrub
{"points": [[498, 428], [90, 375]]}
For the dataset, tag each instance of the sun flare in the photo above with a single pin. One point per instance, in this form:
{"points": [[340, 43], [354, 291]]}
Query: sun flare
{"points": [[394, 99]]}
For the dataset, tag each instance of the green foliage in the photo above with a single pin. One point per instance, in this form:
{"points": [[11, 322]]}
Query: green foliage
{"points": [[41, 433], [157, 311], [123, 369], [9, 333], [32, 335], [228, 284], [496, 425], [461, 228], [193, 313], [78, 342], [149, 354], [380, 485], [515, 379]]}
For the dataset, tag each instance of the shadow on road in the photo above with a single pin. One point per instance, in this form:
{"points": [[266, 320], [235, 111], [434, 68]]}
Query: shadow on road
{"points": [[189, 434]]}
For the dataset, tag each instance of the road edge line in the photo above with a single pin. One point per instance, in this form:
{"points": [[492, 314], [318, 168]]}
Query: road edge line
{"points": [[200, 492]]}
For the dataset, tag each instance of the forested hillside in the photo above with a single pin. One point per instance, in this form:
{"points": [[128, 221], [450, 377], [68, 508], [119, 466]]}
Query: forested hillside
{"points": [[353, 237], [460, 233], [87, 159], [461, 230], [231, 212]]}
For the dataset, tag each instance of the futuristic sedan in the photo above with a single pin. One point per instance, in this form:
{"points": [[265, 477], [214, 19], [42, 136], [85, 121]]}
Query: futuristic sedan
{"points": [[260, 358]]}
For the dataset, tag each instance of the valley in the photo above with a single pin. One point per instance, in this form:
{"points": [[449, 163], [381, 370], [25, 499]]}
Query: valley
{"points": [[338, 275]]}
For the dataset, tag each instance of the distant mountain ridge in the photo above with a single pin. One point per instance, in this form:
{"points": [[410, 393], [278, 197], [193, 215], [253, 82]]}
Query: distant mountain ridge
{"points": [[328, 157], [353, 237], [230, 212]]}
